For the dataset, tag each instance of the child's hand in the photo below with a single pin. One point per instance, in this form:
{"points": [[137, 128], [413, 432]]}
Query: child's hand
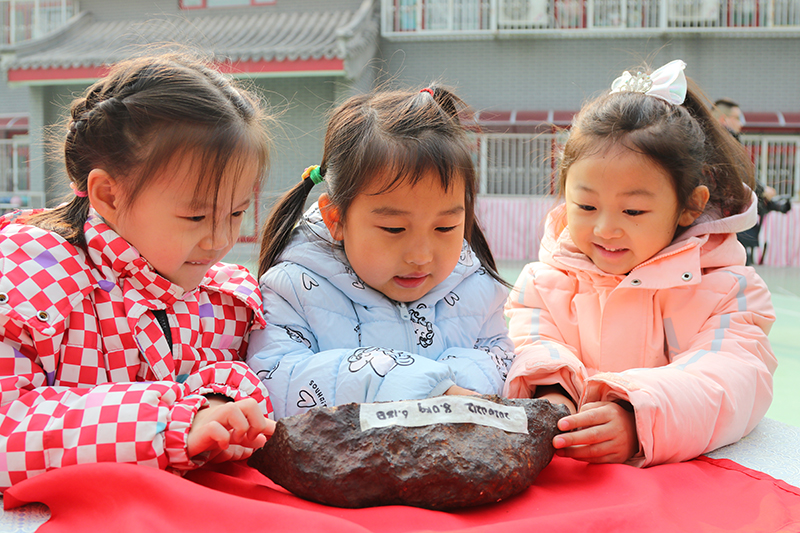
{"points": [[228, 430], [602, 432], [460, 391]]}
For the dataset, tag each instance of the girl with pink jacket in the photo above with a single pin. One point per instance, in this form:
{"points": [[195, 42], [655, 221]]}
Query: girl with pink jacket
{"points": [[640, 315]]}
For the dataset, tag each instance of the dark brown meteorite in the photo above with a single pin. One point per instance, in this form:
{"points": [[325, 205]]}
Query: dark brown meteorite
{"points": [[324, 456]]}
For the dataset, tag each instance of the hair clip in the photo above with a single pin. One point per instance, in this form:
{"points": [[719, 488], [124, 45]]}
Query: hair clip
{"points": [[427, 90], [667, 83], [313, 173]]}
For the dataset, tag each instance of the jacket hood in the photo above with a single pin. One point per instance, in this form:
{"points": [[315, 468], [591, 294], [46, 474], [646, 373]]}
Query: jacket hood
{"points": [[713, 234], [313, 248]]}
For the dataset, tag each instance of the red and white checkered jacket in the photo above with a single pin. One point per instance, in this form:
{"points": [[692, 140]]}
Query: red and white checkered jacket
{"points": [[86, 373]]}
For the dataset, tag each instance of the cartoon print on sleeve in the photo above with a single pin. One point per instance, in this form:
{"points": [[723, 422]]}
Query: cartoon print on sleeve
{"points": [[381, 360], [267, 374], [297, 336], [306, 400], [311, 396], [423, 328], [501, 358]]}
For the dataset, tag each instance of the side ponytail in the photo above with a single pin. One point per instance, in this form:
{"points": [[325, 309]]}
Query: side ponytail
{"points": [[278, 229], [728, 163], [68, 220]]}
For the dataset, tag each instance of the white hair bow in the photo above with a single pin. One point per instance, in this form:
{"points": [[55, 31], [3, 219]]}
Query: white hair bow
{"points": [[667, 83]]}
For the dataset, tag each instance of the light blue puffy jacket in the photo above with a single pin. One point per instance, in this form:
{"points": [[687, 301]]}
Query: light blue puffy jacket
{"points": [[331, 340]]}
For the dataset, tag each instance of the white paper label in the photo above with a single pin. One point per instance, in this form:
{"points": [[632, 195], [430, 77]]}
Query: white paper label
{"points": [[444, 410]]}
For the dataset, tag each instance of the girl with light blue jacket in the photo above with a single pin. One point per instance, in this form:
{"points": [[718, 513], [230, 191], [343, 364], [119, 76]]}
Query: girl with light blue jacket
{"points": [[385, 289]]}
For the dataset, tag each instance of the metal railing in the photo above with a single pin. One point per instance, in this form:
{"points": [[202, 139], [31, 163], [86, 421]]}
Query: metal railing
{"points": [[23, 20], [524, 164], [408, 18], [776, 160]]}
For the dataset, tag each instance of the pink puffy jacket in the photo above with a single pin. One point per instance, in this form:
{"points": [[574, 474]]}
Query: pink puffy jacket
{"points": [[682, 337]]}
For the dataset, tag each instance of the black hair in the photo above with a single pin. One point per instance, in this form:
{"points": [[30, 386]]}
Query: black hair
{"points": [[146, 112], [398, 136]]}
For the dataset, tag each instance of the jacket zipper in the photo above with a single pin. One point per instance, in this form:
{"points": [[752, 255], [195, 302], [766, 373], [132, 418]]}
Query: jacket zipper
{"points": [[406, 318]]}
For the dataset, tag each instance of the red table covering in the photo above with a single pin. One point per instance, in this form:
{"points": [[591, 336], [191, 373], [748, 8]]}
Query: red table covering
{"points": [[708, 495]]}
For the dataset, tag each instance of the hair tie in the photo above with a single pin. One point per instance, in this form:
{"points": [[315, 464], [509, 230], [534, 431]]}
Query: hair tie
{"points": [[667, 83], [313, 173], [427, 90], [78, 193]]}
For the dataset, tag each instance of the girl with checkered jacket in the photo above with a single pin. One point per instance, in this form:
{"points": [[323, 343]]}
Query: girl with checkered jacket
{"points": [[121, 332]]}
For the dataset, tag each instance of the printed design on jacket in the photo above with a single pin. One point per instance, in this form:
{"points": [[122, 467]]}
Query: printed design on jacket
{"points": [[466, 255], [297, 336], [309, 396], [501, 358], [451, 299], [267, 374], [423, 328], [308, 282], [382, 360], [358, 284]]}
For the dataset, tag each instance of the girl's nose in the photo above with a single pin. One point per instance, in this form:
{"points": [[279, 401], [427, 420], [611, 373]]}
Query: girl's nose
{"points": [[218, 238], [419, 252], [606, 227]]}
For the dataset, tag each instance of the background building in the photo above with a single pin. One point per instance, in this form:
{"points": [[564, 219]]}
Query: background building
{"points": [[524, 65]]}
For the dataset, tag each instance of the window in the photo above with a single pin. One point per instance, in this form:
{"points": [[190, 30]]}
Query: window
{"points": [[205, 4]]}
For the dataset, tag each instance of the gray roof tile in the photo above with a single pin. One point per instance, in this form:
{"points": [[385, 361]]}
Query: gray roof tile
{"points": [[263, 36]]}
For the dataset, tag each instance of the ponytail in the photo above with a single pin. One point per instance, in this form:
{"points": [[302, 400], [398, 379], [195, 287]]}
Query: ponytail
{"points": [[67, 220], [477, 241], [277, 231], [729, 166]]}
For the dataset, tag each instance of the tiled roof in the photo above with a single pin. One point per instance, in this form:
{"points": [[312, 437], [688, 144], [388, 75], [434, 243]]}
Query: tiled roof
{"points": [[252, 37]]}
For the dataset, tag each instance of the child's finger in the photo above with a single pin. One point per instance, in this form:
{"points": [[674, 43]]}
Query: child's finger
{"points": [[583, 437], [257, 423], [209, 436]]}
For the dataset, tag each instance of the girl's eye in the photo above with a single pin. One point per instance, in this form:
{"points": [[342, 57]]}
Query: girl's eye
{"points": [[446, 229], [198, 218], [633, 212], [393, 231], [586, 207], [237, 214]]}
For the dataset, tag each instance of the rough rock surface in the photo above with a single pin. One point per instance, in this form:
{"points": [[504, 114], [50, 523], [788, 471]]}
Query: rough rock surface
{"points": [[324, 456]]}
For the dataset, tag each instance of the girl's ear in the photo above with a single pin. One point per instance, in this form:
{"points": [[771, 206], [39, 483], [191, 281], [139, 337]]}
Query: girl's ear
{"points": [[331, 216], [104, 195], [695, 206]]}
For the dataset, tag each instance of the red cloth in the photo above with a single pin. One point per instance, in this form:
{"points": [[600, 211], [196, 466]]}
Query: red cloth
{"points": [[701, 495]]}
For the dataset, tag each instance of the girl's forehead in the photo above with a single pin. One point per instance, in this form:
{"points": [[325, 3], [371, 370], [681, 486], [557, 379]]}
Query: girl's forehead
{"points": [[388, 181], [619, 171]]}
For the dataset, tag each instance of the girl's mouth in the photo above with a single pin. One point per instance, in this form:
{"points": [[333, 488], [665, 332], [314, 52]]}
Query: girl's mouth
{"points": [[609, 251], [410, 282]]}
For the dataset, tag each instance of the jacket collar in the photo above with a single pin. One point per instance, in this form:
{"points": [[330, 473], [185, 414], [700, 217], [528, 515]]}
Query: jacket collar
{"points": [[118, 260]]}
